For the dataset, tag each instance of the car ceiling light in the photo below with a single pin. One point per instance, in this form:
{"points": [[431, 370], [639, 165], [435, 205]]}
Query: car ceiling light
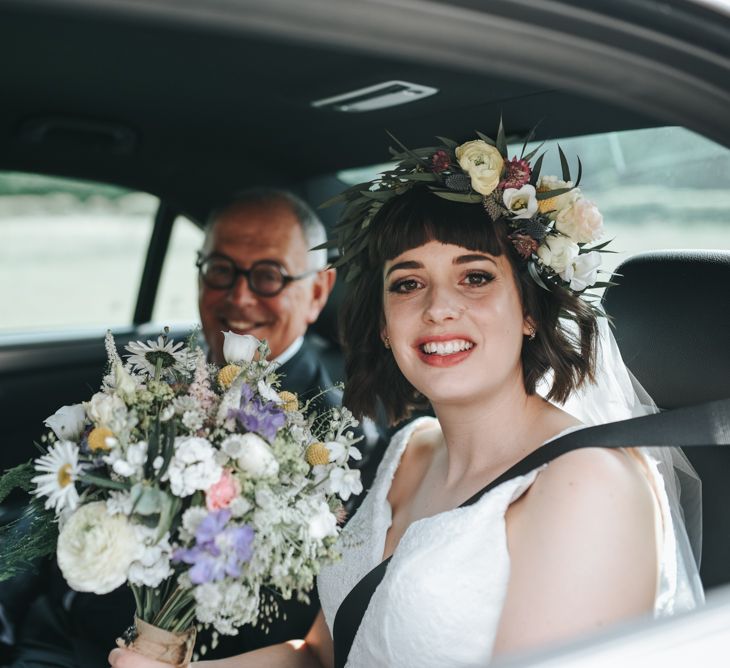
{"points": [[379, 96]]}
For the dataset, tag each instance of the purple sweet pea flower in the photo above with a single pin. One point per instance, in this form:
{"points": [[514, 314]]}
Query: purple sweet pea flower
{"points": [[219, 551], [256, 415]]}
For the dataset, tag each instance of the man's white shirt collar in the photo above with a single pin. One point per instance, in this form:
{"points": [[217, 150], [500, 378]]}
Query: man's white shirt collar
{"points": [[292, 350]]}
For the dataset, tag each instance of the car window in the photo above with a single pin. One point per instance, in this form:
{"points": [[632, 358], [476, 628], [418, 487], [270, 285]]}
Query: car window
{"points": [[177, 297], [657, 188], [71, 252]]}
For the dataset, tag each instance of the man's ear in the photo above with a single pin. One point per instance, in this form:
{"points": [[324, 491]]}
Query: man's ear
{"points": [[322, 286]]}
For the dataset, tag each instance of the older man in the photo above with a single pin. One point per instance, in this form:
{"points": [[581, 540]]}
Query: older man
{"points": [[256, 276]]}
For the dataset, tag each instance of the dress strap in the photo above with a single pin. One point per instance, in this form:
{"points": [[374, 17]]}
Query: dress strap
{"points": [[695, 426]]}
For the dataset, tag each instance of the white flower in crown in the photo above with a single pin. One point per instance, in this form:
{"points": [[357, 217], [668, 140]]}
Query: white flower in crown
{"points": [[583, 271], [522, 202], [557, 252], [239, 348], [68, 422], [95, 549], [581, 221]]}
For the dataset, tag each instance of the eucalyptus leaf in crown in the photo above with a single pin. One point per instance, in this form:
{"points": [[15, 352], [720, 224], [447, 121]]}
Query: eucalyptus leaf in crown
{"points": [[201, 488], [552, 224]]}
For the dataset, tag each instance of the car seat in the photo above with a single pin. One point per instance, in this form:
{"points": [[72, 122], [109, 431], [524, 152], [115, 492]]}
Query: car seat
{"points": [[672, 325]]}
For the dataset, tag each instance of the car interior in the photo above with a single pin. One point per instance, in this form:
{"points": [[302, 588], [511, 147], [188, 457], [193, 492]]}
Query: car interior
{"points": [[172, 107]]}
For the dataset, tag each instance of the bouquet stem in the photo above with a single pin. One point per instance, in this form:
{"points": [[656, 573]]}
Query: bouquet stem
{"points": [[156, 643]]}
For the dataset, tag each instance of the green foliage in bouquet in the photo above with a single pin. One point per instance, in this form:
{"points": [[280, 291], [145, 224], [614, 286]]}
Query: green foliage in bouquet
{"points": [[29, 537]]}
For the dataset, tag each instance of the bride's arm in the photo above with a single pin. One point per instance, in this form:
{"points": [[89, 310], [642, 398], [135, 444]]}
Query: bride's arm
{"points": [[315, 651], [583, 550]]}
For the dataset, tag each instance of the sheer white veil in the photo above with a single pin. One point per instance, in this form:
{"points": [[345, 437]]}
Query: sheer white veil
{"points": [[617, 395]]}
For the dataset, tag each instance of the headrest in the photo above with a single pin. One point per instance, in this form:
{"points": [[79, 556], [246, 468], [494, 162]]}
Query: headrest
{"points": [[671, 311]]}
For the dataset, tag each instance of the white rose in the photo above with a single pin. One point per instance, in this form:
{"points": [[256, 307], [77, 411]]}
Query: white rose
{"points": [[522, 202], [583, 271], [256, 457], [95, 549], [483, 163], [581, 221], [239, 348], [554, 204], [557, 252], [193, 466], [67, 422], [106, 410], [322, 523]]}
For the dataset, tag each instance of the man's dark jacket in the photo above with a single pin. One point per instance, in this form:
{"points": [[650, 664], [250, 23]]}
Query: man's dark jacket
{"points": [[75, 630]]}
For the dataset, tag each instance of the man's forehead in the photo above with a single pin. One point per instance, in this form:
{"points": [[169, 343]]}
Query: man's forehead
{"points": [[258, 229]]}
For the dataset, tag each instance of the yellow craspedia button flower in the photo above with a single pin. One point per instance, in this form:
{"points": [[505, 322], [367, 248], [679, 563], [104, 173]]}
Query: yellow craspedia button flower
{"points": [[97, 438], [546, 205], [228, 374], [289, 400], [317, 454]]}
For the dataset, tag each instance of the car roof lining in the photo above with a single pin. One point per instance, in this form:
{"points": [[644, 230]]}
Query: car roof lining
{"points": [[216, 105]]}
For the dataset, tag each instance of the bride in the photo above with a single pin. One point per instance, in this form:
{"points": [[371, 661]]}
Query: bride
{"points": [[461, 302]]}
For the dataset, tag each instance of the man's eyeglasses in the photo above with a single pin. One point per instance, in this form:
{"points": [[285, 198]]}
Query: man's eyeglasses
{"points": [[265, 278]]}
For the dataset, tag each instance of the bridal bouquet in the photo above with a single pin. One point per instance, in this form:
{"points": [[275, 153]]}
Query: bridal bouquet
{"points": [[203, 489]]}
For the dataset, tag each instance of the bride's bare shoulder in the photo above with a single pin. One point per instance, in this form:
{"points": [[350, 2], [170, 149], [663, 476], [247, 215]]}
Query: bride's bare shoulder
{"points": [[591, 487]]}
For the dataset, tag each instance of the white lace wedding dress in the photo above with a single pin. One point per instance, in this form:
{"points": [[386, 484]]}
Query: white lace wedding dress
{"points": [[440, 600]]}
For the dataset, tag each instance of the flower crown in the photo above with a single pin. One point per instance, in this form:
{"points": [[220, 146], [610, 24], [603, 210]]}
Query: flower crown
{"points": [[551, 223]]}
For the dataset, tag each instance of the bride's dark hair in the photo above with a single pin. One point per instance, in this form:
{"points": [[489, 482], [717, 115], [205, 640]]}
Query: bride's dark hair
{"points": [[566, 328]]}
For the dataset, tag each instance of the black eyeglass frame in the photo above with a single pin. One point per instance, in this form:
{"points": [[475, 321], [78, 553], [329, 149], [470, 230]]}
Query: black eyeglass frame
{"points": [[286, 279]]}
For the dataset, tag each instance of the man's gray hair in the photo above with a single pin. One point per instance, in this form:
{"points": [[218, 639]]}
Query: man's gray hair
{"points": [[312, 228]]}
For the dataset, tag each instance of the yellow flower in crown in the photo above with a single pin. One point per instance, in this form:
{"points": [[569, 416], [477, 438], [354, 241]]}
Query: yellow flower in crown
{"points": [[483, 163]]}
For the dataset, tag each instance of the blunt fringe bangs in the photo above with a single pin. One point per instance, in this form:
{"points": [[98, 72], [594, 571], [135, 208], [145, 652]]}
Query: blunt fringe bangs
{"points": [[419, 216]]}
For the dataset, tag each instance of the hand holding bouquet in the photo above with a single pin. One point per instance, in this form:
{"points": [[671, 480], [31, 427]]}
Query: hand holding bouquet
{"points": [[207, 490]]}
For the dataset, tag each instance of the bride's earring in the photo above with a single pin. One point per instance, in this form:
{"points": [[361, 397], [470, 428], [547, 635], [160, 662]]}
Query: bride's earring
{"points": [[386, 342]]}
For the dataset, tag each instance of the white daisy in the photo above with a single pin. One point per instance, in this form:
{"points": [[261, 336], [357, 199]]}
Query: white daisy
{"points": [[59, 469], [145, 356]]}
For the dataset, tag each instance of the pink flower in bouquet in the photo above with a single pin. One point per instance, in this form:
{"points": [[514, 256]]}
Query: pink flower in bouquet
{"points": [[223, 492]]}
